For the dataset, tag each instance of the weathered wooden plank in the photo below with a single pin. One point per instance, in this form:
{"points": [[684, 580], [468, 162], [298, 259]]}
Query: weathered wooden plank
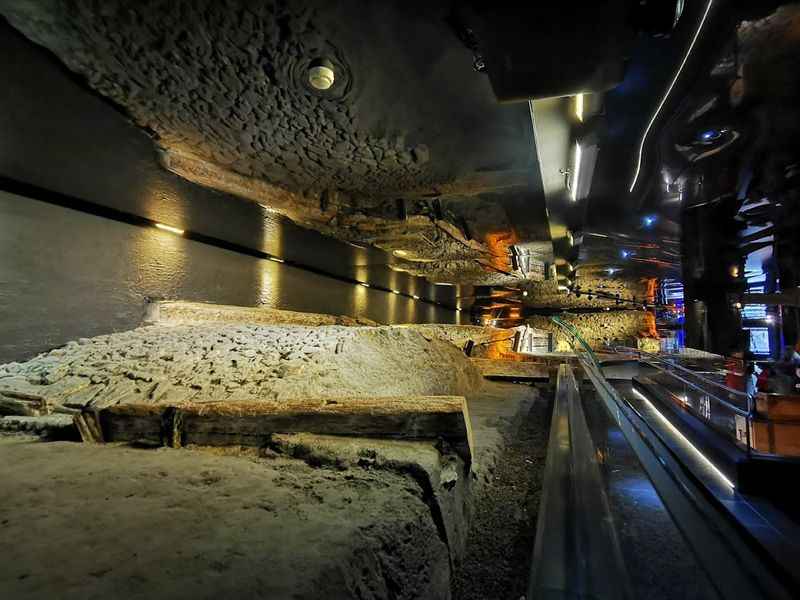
{"points": [[510, 369], [251, 423], [19, 407], [133, 422], [80, 421]]}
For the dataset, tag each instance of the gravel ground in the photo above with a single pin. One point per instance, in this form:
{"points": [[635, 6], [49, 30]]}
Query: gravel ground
{"points": [[500, 539], [660, 564]]}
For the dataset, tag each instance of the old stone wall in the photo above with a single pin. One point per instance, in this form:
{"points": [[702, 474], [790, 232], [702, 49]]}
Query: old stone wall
{"points": [[203, 362], [596, 328]]}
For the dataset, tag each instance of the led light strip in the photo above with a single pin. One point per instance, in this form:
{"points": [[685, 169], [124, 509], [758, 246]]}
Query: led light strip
{"points": [[169, 228], [577, 172], [664, 99], [683, 438]]}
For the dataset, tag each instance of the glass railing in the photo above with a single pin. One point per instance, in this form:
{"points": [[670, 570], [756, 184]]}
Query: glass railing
{"points": [[725, 409]]}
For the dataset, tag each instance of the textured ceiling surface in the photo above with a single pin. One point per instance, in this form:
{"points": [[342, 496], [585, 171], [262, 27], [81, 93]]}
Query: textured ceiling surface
{"points": [[223, 89]]}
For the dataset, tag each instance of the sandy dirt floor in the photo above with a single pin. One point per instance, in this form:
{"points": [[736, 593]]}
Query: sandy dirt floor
{"points": [[382, 520], [82, 521], [500, 539]]}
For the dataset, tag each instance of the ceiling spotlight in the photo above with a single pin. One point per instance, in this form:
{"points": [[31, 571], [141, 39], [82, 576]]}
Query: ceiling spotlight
{"points": [[395, 292], [276, 259], [320, 75], [363, 284], [524, 292], [415, 297], [611, 270]]}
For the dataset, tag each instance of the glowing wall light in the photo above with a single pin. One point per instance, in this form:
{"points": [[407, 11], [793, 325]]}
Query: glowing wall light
{"points": [[576, 172], [579, 107], [174, 230]]}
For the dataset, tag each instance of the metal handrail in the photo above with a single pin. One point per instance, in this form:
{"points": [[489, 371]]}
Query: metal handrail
{"points": [[747, 412], [717, 544], [656, 358], [577, 551]]}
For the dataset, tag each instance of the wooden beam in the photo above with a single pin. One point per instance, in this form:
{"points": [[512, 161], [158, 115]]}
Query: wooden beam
{"points": [[251, 423], [511, 369], [482, 182]]}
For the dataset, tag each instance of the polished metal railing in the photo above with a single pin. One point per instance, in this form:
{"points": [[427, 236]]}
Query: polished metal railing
{"points": [[731, 564], [728, 403], [743, 404]]}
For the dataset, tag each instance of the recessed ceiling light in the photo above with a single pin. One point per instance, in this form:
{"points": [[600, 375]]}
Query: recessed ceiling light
{"points": [[321, 77]]}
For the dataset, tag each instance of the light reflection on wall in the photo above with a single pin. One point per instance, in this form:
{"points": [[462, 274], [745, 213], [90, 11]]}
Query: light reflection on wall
{"points": [[270, 276], [360, 300], [391, 308], [271, 233], [160, 261]]}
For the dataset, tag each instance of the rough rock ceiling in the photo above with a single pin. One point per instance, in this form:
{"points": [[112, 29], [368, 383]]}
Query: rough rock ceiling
{"points": [[408, 150]]}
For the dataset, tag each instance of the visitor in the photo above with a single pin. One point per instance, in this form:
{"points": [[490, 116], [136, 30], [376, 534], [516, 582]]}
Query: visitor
{"points": [[765, 380], [785, 371], [752, 372]]}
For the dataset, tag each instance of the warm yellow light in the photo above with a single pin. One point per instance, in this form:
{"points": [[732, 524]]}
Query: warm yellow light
{"points": [[170, 229], [276, 259], [734, 271], [579, 107], [415, 297], [395, 292], [576, 172], [364, 284], [400, 252]]}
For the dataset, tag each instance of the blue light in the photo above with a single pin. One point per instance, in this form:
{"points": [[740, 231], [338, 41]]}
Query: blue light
{"points": [[625, 254], [709, 134], [649, 220]]}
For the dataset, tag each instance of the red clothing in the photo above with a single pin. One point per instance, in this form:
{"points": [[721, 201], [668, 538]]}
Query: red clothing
{"points": [[734, 374]]}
